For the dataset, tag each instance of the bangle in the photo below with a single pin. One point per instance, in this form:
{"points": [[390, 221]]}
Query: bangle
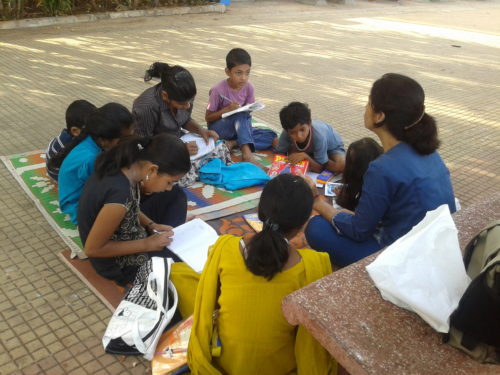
{"points": [[148, 225]]}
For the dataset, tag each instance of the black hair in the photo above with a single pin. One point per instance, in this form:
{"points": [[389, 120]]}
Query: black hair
{"points": [[359, 155], [294, 114], [237, 56], [77, 112], [285, 205], [401, 99], [107, 122], [165, 150], [176, 81]]}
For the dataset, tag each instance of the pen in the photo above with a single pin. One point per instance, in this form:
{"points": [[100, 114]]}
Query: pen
{"points": [[225, 98]]}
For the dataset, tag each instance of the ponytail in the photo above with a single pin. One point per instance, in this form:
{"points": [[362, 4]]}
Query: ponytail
{"points": [[267, 253], [167, 151], [285, 206], [155, 71], [423, 136], [176, 81]]}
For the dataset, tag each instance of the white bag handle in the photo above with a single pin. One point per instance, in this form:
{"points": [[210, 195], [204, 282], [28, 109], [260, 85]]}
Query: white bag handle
{"points": [[158, 298]]}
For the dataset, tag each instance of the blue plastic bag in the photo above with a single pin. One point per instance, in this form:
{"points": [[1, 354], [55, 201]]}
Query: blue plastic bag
{"points": [[232, 177]]}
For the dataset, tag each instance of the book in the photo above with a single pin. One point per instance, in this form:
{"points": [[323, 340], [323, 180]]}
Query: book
{"points": [[256, 106], [203, 148], [191, 241], [324, 177], [253, 221], [282, 165]]}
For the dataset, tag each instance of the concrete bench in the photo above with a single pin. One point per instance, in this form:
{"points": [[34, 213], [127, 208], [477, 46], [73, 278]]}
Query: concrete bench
{"points": [[368, 335]]}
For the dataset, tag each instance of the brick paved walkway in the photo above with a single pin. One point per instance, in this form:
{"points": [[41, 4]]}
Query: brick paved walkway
{"points": [[49, 321]]}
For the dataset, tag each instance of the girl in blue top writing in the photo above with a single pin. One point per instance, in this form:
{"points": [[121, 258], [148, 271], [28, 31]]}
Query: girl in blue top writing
{"points": [[399, 187]]}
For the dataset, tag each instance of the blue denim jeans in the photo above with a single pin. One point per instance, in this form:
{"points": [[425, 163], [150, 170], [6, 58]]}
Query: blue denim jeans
{"points": [[322, 236], [239, 127]]}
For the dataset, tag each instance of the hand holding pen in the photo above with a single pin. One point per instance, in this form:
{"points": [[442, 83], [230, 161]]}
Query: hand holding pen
{"points": [[161, 236], [232, 105]]}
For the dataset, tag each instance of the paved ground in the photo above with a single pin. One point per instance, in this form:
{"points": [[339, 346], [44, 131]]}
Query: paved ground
{"points": [[49, 321]]}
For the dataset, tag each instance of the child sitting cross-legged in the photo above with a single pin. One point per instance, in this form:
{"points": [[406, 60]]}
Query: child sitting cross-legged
{"points": [[230, 94], [246, 279], [117, 236], [76, 115], [312, 140]]}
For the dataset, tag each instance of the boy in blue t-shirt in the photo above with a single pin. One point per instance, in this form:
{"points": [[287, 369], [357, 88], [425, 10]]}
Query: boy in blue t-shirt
{"points": [[230, 94], [76, 114], [304, 139]]}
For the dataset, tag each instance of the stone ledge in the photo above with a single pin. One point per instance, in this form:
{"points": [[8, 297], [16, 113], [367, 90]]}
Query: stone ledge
{"points": [[49, 21]]}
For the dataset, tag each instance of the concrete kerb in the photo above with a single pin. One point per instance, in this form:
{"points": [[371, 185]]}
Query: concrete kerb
{"points": [[49, 21]]}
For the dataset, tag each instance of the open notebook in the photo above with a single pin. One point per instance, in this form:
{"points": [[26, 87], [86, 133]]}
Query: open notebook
{"points": [[191, 242], [203, 148]]}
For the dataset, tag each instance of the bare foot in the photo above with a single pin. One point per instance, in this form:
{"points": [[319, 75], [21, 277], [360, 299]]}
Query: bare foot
{"points": [[249, 158], [231, 144]]}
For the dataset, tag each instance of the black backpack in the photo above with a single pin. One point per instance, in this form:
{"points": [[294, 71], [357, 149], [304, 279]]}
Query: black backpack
{"points": [[475, 324]]}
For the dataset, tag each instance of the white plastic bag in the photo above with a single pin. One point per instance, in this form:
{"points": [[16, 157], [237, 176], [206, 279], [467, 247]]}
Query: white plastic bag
{"points": [[423, 271], [141, 317]]}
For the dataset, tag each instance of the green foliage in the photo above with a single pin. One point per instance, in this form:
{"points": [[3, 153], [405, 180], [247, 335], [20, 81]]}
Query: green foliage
{"points": [[17, 9], [57, 7]]}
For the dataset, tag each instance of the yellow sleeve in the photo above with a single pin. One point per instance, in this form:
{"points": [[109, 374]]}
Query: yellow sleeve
{"points": [[199, 349], [185, 280], [311, 357]]}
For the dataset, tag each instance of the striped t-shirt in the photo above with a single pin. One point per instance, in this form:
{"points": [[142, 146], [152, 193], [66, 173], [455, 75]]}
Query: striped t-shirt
{"points": [[56, 145]]}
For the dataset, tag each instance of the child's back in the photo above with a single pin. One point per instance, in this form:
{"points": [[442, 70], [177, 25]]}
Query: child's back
{"points": [[76, 116]]}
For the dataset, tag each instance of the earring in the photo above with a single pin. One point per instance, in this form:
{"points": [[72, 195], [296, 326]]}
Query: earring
{"points": [[147, 177]]}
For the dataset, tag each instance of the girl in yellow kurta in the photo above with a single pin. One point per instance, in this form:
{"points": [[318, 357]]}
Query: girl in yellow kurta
{"points": [[246, 280]]}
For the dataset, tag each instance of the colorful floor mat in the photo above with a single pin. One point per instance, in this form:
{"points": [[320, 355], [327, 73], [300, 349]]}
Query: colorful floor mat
{"points": [[205, 201], [29, 170]]}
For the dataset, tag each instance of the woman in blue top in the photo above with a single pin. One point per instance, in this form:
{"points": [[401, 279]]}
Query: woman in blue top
{"points": [[399, 187]]}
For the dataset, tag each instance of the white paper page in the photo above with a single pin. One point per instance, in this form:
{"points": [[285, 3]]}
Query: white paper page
{"points": [[246, 108], [191, 241], [203, 148]]}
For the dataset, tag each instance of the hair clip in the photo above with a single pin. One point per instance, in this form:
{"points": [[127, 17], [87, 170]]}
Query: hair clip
{"points": [[415, 122], [269, 224], [140, 147]]}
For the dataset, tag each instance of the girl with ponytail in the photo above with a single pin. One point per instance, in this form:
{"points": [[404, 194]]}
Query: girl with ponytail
{"points": [[399, 187], [167, 108], [117, 236], [246, 279]]}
